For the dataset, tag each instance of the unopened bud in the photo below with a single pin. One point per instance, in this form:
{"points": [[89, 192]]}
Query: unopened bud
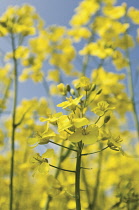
{"points": [[93, 87], [45, 160], [87, 87], [62, 89], [68, 88], [99, 92], [106, 119], [72, 91]]}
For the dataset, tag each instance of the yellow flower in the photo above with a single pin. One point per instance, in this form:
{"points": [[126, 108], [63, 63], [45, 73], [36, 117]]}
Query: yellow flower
{"points": [[48, 154], [62, 89], [84, 11], [114, 143], [108, 28], [98, 49], [64, 123], [52, 119], [20, 53], [19, 20], [114, 12], [124, 42], [133, 13], [54, 75], [42, 138], [41, 164], [119, 60], [82, 82], [71, 103], [88, 135], [102, 108], [79, 122], [79, 32]]}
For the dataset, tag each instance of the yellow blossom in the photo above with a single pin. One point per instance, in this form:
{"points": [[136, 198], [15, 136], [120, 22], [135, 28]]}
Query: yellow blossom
{"points": [[52, 118], [88, 135], [41, 164], [124, 42], [84, 11], [119, 60], [114, 12], [79, 32], [71, 103], [133, 13], [42, 138], [102, 108], [54, 75], [82, 82], [98, 49]]}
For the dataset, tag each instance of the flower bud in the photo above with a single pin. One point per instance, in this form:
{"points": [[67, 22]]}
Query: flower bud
{"points": [[99, 92], [106, 119], [62, 89], [72, 91], [93, 87], [68, 88], [87, 87]]}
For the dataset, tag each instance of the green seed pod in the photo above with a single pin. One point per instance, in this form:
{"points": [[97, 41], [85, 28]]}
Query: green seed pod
{"points": [[104, 139], [68, 88], [93, 87], [99, 92], [106, 119]]}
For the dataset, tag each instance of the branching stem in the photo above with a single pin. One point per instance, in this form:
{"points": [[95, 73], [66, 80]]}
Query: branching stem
{"points": [[13, 122], [63, 146], [94, 152], [61, 168]]}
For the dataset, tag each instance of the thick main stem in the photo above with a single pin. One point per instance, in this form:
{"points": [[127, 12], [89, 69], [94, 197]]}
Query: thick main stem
{"points": [[77, 177], [13, 123]]}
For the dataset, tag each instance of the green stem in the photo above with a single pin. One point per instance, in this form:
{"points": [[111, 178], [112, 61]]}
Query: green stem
{"points": [[77, 176], [131, 84], [85, 63], [21, 182], [97, 183], [61, 159], [13, 123], [95, 152], [63, 146], [87, 189], [132, 96], [61, 168]]}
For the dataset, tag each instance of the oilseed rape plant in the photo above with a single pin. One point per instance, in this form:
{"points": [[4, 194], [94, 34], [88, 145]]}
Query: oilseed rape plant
{"points": [[76, 147]]}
